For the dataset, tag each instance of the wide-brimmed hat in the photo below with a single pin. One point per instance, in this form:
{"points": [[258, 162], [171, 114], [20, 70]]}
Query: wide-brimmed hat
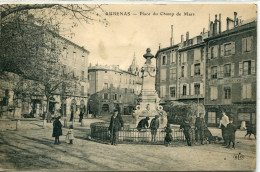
{"points": [[147, 118], [156, 116]]}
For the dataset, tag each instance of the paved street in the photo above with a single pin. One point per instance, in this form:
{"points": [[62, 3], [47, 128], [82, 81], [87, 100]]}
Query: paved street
{"points": [[31, 148]]}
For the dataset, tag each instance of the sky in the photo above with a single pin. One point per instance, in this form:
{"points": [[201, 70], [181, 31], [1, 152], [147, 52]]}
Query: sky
{"points": [[134, 33]]}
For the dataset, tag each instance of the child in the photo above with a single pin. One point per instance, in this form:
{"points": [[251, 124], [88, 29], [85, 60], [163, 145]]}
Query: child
{"points": [[231, 132], [168, 138], [70, 135]]}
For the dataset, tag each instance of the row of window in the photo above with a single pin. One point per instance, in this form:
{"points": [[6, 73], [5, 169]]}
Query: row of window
{"points": [[185, 89], [106, 96], [245, 94], [228, 49], [130, 81], [228, 70], [196, 70], [225, 49], [182, 57], [65, 72]]}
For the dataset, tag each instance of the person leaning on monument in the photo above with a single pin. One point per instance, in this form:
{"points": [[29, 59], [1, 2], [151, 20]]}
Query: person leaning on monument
{"points": [[223, 125], [116, 123], [154, 125], [143, 124]]}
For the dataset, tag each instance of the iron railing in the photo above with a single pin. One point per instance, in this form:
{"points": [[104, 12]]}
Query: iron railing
{"points": [[99, 132]]}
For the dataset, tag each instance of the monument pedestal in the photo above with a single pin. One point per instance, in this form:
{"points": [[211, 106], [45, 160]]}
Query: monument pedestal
{"points": [[149, 100]]}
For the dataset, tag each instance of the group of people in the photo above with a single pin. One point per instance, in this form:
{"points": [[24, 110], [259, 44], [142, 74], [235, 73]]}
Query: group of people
{"points": [[116, 124]]}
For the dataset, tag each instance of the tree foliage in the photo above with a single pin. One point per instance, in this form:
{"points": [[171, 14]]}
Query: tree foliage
{"points": [[30, 44]]}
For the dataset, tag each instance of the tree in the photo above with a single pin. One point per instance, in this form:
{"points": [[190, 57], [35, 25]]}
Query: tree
{"points": [[29, 48]]}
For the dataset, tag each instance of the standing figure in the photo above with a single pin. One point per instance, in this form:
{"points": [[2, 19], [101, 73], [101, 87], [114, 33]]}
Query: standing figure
{"points": [[199, 128], [154, 126], [143, 124], [231, 133], [57, 130], [116, 123], [81, 116], [223, 125], [168, 137], [72, 115], [70, 134], [186, 130]]}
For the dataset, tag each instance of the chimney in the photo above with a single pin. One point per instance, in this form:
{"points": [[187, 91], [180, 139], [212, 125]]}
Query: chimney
{"points": [[159, 46], [172, 35], [219, 23], [235, 19], [227, 23], [211, 28], [215, 26], [203, 31], [182, 38], [187, 36]]}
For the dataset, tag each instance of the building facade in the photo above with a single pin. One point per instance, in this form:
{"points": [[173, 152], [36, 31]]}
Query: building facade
{"points": [[71, 66], [231, 72], [111, 87], [215, 69]]}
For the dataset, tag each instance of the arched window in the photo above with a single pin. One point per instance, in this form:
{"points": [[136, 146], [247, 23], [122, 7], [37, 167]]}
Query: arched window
{"points": [[105, 108]]}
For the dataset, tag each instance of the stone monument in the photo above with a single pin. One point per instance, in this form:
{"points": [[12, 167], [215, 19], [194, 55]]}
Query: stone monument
{"points": [[148, 99]]}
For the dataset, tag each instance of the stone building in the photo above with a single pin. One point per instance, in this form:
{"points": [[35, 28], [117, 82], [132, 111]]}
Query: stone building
{"points": [[180, 70], [72, 66], [111, 87], [216, 69], [231, 71]]}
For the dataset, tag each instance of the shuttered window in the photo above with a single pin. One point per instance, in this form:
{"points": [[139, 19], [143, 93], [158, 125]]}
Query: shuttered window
{"points": [[246, 91], [213, 93]]}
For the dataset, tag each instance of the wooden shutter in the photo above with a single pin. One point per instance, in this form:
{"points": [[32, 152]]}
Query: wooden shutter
{"points": [[244, 91], [185, 71], [232, 69], [248, 91], [217, 51], [243, 45], [233, 48], [201, 68], [222, 50], [192, 70], [220, 72], [187, 89], [249, 43], [185, 57], [181, 89], [253, 66], [201, 88], [240, 68], [192, 89], [209, 53], [209, 73]]}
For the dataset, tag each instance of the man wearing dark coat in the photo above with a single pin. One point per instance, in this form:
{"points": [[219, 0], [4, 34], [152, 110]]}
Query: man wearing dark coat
{"points": [[143, 124], [154, 125], [231, 133], [199, 128], [116, 123], [57, 130], [186, 130]]}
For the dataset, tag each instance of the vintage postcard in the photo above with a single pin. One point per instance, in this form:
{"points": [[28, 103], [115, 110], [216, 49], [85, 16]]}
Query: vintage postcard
{"points": [[137, 87]]}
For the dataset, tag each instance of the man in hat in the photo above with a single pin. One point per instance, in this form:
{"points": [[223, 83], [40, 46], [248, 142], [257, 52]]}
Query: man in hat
{"points": [[57, 130], [143, 124], [223, 125], [199, 128], [154, 126], [231, 133], [186, 130], [116, 123]]}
